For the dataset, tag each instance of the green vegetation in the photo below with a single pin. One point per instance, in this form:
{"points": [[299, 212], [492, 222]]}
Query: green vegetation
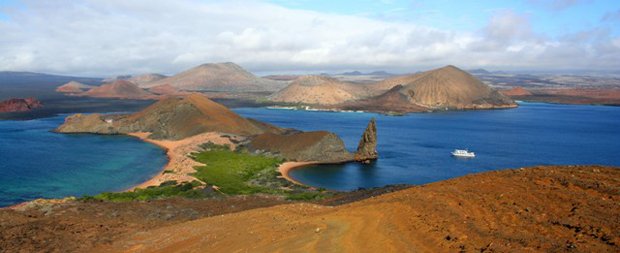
{"points": [[166, 189], [241, 172], [235, 172]]}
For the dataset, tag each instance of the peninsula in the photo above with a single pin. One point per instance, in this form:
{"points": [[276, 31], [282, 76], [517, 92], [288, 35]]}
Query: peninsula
{"points": [[181, 124]]}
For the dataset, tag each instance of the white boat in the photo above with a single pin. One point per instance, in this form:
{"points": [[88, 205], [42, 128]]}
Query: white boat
{"points": [[463, 153]]}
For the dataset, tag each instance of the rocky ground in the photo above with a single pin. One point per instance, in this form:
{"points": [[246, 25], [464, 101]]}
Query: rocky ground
{"points": [[76, 226], [541, 209]]}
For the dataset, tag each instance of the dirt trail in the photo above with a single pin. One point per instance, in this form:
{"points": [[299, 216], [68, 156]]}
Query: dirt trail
{"points": [[542, 209]]}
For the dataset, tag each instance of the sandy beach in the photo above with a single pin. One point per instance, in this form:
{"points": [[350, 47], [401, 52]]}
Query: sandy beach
{"points": [[286, 167], [180, 165]]}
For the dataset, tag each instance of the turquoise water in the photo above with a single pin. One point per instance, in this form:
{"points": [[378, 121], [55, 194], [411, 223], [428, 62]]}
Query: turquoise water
{"points": [[36, 163], [415, 149]]}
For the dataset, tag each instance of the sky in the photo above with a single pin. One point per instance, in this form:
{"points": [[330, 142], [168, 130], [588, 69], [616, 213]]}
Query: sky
{"points": [[113, 37]]}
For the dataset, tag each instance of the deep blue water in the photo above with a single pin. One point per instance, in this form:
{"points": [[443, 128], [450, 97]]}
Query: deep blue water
{"points": [[415, 149], [36, 163]]}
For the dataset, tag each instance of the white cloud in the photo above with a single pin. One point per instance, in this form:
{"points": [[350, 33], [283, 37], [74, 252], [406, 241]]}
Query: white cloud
{"points": [[116, 36], [558, 5]]}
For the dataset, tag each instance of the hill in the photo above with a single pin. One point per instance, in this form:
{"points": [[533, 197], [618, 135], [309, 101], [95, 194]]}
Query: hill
{"points": [[218, 77], [142, 80], [382, 86], [74, 87], [165, 89], [388, 102], [447, 88], [303, 146], [118, 89], [171, 118], [320, 90]]}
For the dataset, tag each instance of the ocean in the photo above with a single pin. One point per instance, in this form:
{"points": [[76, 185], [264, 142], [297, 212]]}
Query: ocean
{"points": [[415, 149]]}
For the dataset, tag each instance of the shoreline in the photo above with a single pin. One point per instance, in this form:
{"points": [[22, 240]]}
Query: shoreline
{"points": [[286, 167], [179, 165]]}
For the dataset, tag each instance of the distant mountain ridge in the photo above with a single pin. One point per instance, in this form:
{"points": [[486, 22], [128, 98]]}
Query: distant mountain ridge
{"points": [[118, 89], [219, 77], [27, 84], [373, 73], [145, 79]]}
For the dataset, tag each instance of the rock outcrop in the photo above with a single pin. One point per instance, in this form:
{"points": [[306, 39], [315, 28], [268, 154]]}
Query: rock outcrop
{"points": [[172, 118], [19, 104], [367, 147]]}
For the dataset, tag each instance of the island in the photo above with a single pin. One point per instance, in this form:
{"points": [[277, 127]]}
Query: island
{"points": [[19, 105]]}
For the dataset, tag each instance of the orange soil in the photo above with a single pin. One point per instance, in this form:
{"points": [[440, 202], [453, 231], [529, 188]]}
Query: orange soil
{"points": [[540, 209]]}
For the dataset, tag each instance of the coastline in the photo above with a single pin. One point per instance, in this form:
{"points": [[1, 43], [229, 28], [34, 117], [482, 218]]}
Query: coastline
{"points": [[286, 167], [180, 165]]}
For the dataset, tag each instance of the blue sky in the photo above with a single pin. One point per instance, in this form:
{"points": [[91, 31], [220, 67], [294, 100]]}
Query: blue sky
{"points": [[549, 17], [108, 37]]}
